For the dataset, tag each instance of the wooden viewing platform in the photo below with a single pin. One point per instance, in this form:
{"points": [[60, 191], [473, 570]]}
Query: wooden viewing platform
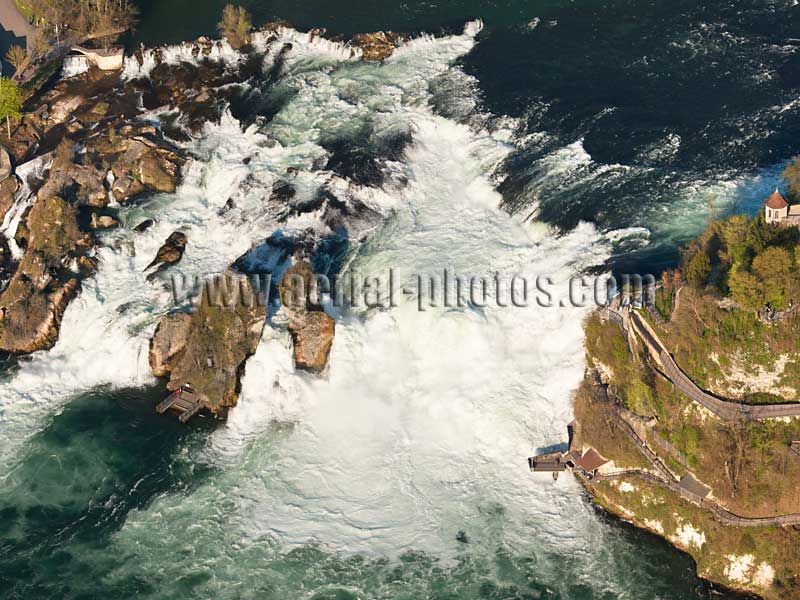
{"points": [[183, 401]]}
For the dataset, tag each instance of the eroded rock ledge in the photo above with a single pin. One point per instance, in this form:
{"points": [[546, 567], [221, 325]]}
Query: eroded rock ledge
{"points": [[32, 305], [98, 152]]}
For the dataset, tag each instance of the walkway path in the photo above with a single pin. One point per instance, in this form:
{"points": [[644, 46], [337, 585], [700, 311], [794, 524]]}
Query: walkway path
{"points": [[728, 410], [722, 514], [13, 20], [664, 478]]}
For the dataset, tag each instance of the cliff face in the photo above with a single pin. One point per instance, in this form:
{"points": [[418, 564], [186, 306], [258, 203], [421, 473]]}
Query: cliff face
{"points": [[761, 560]]}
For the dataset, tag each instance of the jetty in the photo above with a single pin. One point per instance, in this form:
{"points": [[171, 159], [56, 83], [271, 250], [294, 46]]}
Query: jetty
{"points": [[183, 401]]}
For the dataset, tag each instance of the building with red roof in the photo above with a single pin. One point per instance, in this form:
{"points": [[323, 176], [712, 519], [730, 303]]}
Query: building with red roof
{"points": [[777, 210]]}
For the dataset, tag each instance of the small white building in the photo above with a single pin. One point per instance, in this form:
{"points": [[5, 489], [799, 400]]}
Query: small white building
{"points": [[777, 210], [80, 59]]}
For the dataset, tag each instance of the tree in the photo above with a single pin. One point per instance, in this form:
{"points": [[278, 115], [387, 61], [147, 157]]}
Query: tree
{"points": [[745, 289], [10, 101], [39, 43], [774, 269], [698, 270], [16, 56], [762, 234], [103, 20], [791, 177], [734, 233], [235, 25]]}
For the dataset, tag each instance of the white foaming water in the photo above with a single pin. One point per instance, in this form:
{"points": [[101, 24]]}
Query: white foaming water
{"points": [[571, 171], [309, 45], [421, 426], [23, 199], [221, 51], [105, 332], [425, 418]]}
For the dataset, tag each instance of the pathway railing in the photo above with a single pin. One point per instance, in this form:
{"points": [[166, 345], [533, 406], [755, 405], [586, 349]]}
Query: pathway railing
{"points": [[728, 410]]}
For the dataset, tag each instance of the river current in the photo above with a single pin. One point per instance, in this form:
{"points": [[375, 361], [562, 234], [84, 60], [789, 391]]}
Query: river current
{"points": [[549, 139]]}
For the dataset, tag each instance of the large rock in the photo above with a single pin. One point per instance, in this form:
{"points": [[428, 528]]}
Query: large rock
{"points": [[312, 336], [127, 161], [32, 305], [376, 46], [7, 189], [312, 330], [139, 162], [169, 342], [208, 348], [170, 252], [103, 222]]}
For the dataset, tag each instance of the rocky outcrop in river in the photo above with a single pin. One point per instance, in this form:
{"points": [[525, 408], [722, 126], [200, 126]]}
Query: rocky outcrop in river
{"points": [[32, 305], [377, 46], [207, 349], [312, 329], [92, 152], [87, 149]]}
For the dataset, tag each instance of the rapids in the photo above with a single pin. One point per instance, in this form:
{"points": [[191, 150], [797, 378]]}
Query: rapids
{"points": [[399, 473]]}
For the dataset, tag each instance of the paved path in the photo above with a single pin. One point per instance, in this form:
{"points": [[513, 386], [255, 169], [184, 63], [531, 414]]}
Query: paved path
{"points": [[13, 20], [728, 410]]}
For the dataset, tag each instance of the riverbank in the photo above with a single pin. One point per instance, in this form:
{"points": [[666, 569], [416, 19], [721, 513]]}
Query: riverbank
{"points": [[715, 476]]}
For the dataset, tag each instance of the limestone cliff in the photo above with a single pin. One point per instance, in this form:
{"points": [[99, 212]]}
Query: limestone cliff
{"points": [[743, 533]]}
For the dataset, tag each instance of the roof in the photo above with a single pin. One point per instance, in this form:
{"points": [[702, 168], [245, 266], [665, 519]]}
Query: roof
{"points": [[690, 484], [591, 460], [112, 51], [776, 201]]}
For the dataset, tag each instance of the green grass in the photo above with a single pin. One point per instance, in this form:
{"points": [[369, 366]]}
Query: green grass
{"points": [[664, 302]]}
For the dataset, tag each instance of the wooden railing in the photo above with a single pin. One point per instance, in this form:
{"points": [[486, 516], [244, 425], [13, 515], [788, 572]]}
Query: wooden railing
{"points": [[721, 513]]}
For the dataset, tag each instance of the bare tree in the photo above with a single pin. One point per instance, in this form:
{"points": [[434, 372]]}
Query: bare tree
{"points": [[738, 432], [235, 25], [99, 19], [16, 56], [39, 43]]}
